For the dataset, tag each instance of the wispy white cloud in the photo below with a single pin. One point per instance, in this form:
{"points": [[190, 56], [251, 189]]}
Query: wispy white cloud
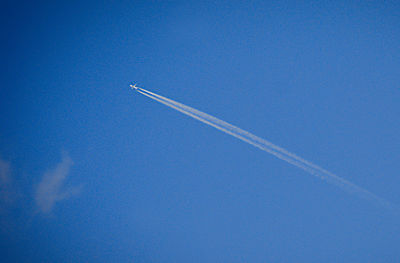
{"points": [[7, 196], [5, 182], [51, 188], [4, 171]]}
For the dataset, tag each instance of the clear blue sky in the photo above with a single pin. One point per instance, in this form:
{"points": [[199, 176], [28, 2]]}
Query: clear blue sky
{"points": [[93, 172]]}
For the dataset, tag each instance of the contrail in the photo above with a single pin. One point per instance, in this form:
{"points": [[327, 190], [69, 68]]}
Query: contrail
{"points": [[269, 147]]}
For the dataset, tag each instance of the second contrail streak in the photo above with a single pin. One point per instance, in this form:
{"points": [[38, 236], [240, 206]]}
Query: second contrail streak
{"points": [[267, 146]]}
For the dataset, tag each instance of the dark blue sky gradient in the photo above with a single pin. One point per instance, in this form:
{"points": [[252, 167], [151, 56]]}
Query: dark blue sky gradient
{"points": [[319, 78]]}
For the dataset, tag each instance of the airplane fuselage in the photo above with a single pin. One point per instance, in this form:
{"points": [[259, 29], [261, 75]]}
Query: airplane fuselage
{"points": [[134, 87]]}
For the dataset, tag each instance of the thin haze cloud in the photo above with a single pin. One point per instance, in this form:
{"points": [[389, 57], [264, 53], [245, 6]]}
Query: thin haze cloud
{"points": [[51, 188], [269, 147], [5, 182], [4, 172]]}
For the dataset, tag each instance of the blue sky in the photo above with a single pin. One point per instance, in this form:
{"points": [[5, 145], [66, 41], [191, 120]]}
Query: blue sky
{"points": [[93, 172]]}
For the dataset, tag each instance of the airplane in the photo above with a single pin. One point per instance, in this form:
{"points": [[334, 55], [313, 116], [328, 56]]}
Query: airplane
{"points": [[134, 86]]}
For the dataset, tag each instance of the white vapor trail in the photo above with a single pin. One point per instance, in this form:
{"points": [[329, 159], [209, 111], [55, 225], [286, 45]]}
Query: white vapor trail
{"points": [[267, 147]]}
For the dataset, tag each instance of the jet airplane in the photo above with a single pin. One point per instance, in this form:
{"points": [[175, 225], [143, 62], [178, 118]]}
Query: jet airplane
{"points": [[134, 86]]}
